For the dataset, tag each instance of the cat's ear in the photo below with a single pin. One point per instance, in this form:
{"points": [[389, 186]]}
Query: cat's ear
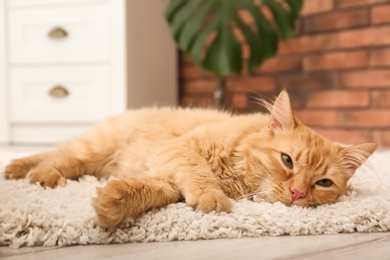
{"points": [[281, 117], [355, 156]]}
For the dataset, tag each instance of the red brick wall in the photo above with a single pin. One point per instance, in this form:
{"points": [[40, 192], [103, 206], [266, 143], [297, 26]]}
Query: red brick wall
{"points": [[336, 69]]}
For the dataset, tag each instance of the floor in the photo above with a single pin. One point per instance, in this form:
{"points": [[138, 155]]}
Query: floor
{"points": [[342, 246]]}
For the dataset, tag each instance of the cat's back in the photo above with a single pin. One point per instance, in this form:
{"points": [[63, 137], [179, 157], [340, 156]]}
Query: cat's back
{"points": [[159, 122]]}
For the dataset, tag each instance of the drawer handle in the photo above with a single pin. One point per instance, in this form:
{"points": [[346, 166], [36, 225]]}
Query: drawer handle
{"points": [[58, 91], [58, 33]]}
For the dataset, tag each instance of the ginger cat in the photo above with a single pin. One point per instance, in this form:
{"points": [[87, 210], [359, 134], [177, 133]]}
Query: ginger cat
{"points": [[202, 156]]}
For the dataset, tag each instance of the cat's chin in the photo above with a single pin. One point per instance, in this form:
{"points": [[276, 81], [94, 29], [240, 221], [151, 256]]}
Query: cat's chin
{"points": [[304, 204], [299, 203]]}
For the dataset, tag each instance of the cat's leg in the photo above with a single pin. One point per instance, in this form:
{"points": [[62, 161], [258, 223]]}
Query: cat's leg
{"points": [[197, 183], [18, 168], [92, 153], [181, 173], [55, 170], [121, 199], [71, 161], [80, 156], [202, 191]]}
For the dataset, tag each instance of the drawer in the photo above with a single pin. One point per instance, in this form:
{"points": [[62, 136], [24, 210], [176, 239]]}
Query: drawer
{"points": [[76, 94], [59, 34]]}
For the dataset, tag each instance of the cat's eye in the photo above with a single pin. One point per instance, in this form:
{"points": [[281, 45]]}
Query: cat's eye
{"points": [[324, 182], [287, 160]]}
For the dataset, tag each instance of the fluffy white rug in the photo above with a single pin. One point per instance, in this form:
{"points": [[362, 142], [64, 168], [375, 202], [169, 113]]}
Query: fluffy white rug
{"points": [[31, 215]]}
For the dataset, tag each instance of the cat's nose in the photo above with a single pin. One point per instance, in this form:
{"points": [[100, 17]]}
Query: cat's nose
{"points": [[296, 194]]}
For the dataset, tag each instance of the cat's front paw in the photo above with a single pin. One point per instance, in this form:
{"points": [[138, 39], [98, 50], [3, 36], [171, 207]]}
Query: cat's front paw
{"points": [[17, 169], [112, 205], [210, 200], [47, 177]]}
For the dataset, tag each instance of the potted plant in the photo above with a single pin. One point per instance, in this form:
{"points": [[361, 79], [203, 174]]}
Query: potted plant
{"points": [[209, 31]]}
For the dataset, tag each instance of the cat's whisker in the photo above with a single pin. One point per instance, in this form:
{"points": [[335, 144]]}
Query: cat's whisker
{"points": [[246, 196], [361, 140]]}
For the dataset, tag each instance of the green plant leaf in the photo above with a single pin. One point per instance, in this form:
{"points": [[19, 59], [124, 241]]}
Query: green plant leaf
{"points": [[193, 25], [204, 29], [295, 7], [172, 7], [252, 39], [181, 17], [197, 47], [282, 19], [215, 58], [268, 39], [224, 54]]}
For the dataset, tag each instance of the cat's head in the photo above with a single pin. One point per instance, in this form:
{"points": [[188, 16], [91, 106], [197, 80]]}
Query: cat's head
{"points": [[291, 163]]}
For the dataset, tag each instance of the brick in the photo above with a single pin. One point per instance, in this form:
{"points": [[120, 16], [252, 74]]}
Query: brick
{"points": [[336, 60], [319, 118], [199, 86], [239, 100], [380, 14], [367, 118], [373, 36], [190, 72], [307, 81], [382, 138], [187, 72], [309, 44], [204, 101], [381, 98], [338, 98], [316, 6], [351, 3], [298, 98], [347, 136], [282, 64], [260, 84], [365, 79], [380, 57], [337, 20]]}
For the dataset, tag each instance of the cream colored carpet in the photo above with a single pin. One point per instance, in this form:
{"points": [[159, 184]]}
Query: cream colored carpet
{"points": [[32, 216]]}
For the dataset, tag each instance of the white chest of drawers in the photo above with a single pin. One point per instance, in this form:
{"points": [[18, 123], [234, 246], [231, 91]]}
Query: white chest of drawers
{"points": [[66, 64]]}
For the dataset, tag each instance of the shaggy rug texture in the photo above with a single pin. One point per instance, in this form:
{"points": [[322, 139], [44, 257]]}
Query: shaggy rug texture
{"points": [[33, 216]]}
